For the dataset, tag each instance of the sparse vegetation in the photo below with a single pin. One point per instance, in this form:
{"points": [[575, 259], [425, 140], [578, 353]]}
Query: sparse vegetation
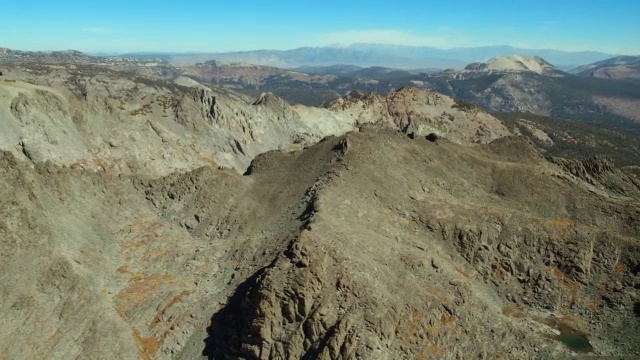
{"points": [[168, 102], [580, 139], [463, 104], [144, 110]]}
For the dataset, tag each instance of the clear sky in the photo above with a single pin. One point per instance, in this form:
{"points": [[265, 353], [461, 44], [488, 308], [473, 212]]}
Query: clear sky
{"points": [[225, 25]]}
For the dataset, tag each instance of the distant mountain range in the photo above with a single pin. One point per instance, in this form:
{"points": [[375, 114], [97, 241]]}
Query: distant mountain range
{"points": [[531, 85], [512, 83], [367, 55]]}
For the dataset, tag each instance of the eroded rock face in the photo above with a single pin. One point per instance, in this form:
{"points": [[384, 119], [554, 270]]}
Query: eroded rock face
{"points": [[587, 169], [600, 172]]}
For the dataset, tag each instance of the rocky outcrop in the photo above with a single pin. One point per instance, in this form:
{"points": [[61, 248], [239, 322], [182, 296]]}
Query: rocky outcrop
{"points": [[422, 112], [588, 169]]}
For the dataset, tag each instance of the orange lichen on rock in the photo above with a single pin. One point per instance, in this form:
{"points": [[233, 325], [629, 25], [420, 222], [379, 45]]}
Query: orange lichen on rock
{"points": [[464, 273], [430, 351], [144, 232], [620, 268], [176, 299], [140, 287], [447, 319], [561, 227], [147, 346]]}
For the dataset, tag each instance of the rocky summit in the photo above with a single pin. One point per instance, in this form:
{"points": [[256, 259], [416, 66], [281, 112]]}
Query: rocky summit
{"points": [[148, 217]]}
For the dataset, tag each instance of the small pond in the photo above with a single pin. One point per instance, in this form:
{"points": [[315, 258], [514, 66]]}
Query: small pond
{"points": [[572, 338]]}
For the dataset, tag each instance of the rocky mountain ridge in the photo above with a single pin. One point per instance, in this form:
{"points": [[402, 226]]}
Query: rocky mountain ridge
{"points": [[146, 217], [576, 140], [66, 57], [173, 268]]}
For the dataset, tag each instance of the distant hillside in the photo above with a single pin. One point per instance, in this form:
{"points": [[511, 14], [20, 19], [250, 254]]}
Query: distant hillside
{"points": [[67, 56], [338, 69], [549, 93], [311, 56], [621, 67], [215, 72], [578, 139], [516, 63], [148, 67]]}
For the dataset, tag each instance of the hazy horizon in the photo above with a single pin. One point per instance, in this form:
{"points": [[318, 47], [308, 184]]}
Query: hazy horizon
{"points": [[334, 46], [224, 26], [197, 52]]}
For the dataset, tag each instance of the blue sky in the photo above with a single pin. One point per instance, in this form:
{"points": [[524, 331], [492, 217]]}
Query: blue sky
{"points": [[223, 25]]}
